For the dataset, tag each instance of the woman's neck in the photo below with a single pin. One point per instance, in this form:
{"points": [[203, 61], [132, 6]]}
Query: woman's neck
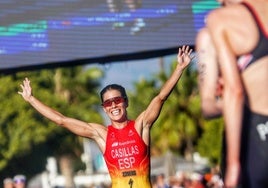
{"points": [[120, 125]]}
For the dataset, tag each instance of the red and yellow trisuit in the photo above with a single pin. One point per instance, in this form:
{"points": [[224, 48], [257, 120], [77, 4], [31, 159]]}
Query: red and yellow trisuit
{"points": [[127, 158]]}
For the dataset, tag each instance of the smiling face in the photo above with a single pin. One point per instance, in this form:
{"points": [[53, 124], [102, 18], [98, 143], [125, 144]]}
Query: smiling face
{"points": [[115, 105]]}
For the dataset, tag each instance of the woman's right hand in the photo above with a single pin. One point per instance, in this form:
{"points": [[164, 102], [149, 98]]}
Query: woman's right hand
{"points": [[26, 92]]}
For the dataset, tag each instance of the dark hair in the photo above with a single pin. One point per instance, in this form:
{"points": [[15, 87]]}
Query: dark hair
{"points": [[115, 87]]}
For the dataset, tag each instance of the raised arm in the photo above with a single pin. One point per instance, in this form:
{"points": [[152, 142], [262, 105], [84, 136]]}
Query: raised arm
{"points": [[89, 130], [153, 110], [208, 75]]}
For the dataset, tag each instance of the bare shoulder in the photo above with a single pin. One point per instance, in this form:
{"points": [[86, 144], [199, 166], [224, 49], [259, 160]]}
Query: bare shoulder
{"points": [[236, 23], [98, 126], [227, 14], [97, 130], [140, 122]]}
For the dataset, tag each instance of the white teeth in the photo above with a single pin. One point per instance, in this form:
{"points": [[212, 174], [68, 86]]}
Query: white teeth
{"points": [[115, 112]]}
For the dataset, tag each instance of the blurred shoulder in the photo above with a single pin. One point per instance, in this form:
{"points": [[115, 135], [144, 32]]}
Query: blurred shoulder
{"points": [[225, 15]]}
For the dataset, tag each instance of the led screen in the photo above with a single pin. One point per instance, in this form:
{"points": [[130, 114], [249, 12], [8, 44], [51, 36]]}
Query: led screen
{"points": [[35, 33]]}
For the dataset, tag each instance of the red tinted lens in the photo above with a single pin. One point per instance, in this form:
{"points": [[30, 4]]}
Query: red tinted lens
{"points": [[116, 100], [107, 103]]}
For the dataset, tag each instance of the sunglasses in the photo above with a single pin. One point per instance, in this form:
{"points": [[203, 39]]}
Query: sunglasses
{"points": [[116, 100]]}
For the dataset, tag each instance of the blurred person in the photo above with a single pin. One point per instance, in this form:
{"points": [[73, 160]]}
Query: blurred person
{"points": [[125, 143], [197, 180], [160, 181], [153, 181], [19, 181], [215, 182], [187, 182], [239, 34], [175, 182], [8, 182]]}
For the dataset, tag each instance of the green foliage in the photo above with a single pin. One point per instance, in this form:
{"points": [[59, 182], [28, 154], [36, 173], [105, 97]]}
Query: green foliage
{"points": [[210, 144], [71, 91], [139, 99]]}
